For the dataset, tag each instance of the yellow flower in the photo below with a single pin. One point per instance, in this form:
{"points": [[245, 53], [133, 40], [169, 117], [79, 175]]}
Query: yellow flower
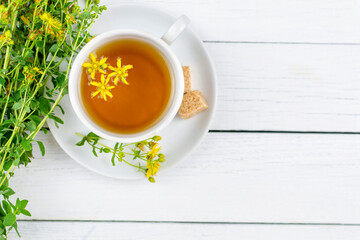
{"points": [[54, 23], [141, 146], [31, 72], [33, 34], [154, 150], [152, 168], [70, 18], [36, 69], [120, 72], [89, 39], [102, 87], [5, 38], [25, 19], [4, 14], [95, 66]]}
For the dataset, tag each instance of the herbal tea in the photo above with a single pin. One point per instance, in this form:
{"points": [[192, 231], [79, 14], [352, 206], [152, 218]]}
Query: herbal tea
{"points": [[126, 87]]}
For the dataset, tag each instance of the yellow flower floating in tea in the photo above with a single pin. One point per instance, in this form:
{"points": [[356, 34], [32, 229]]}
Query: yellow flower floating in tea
{"points": [[103, 87], [95, 66], [120, 72]]}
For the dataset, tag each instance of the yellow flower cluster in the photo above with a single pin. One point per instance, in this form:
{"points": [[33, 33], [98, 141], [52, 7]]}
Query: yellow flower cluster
{"points": [[153, 164], [100, 66], [4, 14], [52, 25], [31, 72], [5, 38], [26, 20]]}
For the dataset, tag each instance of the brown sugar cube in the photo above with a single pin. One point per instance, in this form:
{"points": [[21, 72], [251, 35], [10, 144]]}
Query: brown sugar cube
{"points": [[193, 103], [187, 79]]}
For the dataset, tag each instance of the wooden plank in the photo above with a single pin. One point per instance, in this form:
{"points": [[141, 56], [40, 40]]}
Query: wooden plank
{"points": [[263, 21], [287, 87], [174, 231], [232, 177]]}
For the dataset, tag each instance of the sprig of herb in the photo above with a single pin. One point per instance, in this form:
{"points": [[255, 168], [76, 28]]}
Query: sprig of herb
{"points": [[38, 42], [146, 151]]}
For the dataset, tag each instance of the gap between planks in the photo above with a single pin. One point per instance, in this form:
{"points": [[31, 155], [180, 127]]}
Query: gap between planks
{"points": [[274, 132], [284, 43], [192, 222]]}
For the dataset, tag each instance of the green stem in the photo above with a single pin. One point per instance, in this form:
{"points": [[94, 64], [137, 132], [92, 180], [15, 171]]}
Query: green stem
{"points": [[8, 48]]}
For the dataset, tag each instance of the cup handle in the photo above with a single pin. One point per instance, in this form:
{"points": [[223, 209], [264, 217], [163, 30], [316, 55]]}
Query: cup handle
{"points": [[176, 29]]}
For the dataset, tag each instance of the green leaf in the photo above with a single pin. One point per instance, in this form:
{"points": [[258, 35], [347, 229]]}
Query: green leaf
{"points": [[9, 219], [85, 15], [2, 213], [16, 229], [81, 142], [16, 162], [35, 118], [7, 165], [2, 81], [45, 130], [23, 204], [8, 192], [53, 48], [39, 44], [113, 156], [27, 109], [6, 207], [25, 212], [26, 144], [96, 9], [17, 105], [44, 105], [24, 159], [42, 148], [106, 150], [31, 126], [61, 109], [34, 104], [92, 135], [94, 152], [56, 119]]}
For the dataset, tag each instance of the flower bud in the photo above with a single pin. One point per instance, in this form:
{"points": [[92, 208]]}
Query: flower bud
{"points": [[156, 138]]}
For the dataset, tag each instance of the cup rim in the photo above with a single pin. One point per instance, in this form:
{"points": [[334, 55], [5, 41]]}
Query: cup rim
{"points": [[100, 40]]}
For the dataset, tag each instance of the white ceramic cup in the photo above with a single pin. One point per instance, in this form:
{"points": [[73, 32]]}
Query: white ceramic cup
{"points": [[162, 45]]}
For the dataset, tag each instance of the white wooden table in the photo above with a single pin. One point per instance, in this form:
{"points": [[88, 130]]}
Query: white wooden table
{"points": [[282, 159]]}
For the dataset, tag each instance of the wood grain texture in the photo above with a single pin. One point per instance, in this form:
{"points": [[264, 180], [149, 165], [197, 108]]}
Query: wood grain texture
{"points": [[287, 87], [175, 231], [235, 177], [232, 177], [326, 21]]}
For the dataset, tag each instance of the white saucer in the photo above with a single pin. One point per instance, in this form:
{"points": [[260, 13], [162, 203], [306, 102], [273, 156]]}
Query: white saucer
{"points": [[181, 137]]}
